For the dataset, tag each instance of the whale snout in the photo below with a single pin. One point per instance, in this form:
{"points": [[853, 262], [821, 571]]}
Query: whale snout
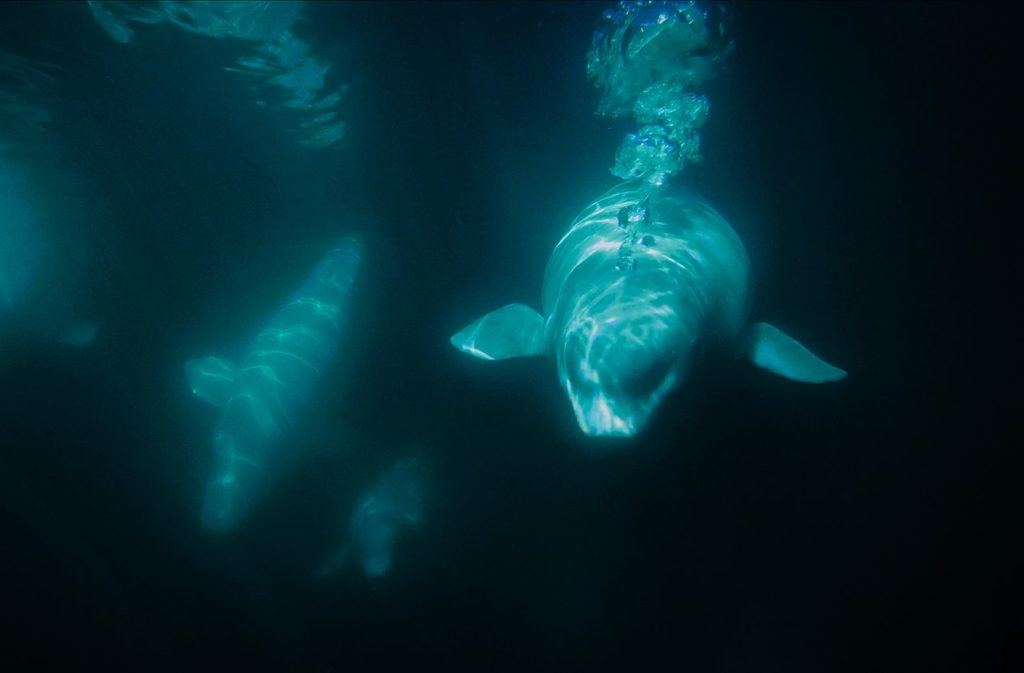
{"points": [[615, 382], [597, 417], [611, 406]]}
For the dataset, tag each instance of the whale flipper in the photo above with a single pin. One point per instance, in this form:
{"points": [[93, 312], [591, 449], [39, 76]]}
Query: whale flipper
{"points": [[771, 349], [512, 331], [210, 379]]}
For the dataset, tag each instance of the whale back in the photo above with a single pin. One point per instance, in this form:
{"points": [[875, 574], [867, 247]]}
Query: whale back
{"points": [[690, 244], [261, 399], [643, 275]]}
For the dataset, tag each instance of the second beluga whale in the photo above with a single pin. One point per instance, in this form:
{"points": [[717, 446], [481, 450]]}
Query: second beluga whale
{"points": [[261, 397], [646, 278]]}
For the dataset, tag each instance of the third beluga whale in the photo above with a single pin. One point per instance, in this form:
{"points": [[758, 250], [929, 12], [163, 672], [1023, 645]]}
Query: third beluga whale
{"points": [[260, 398], [646, 278], [395, 502]]}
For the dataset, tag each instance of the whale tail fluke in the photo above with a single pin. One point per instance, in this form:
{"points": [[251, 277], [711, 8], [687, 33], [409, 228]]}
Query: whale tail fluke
{"points": [[769, 348], [512, 331], [210, 379]]}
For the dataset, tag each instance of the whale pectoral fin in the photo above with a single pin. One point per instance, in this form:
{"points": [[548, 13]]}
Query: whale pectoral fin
{"points": [[512, 331], [771, 349], [210, 378]]}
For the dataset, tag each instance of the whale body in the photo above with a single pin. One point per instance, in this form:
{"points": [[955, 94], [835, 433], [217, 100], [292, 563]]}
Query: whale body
{"points": [[645, 280], [260, 398]]}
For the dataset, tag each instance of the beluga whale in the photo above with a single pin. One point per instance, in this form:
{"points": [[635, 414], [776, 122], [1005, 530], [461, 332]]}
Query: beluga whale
{"points": [[647, 279], [261, 397], [394, 503]]}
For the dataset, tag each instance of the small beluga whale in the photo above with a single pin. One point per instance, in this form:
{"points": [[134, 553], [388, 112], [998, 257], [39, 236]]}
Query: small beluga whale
{"points": [[394, 502], [646, 280], [261, 397]]}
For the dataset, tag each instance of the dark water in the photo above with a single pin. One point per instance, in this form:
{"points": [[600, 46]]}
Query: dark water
{"points": [[757, 525]]}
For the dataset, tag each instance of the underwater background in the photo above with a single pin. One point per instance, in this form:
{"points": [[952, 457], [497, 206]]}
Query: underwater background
{"points": [[859, 150]]}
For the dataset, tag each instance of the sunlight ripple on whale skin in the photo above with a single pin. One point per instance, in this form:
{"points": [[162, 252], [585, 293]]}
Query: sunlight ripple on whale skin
{"points": [[260, 399], [642, 281]]}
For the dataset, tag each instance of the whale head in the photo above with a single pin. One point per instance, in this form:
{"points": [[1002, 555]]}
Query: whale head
{"points": [[618, 358], [645, 282]]}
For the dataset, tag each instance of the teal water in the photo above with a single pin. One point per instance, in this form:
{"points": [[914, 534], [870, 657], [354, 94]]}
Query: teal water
{"points": [[172, 175]]}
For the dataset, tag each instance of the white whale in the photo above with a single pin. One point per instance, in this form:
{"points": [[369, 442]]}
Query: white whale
{"points": [[261, 398], [395, 502], [645, 280]]}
